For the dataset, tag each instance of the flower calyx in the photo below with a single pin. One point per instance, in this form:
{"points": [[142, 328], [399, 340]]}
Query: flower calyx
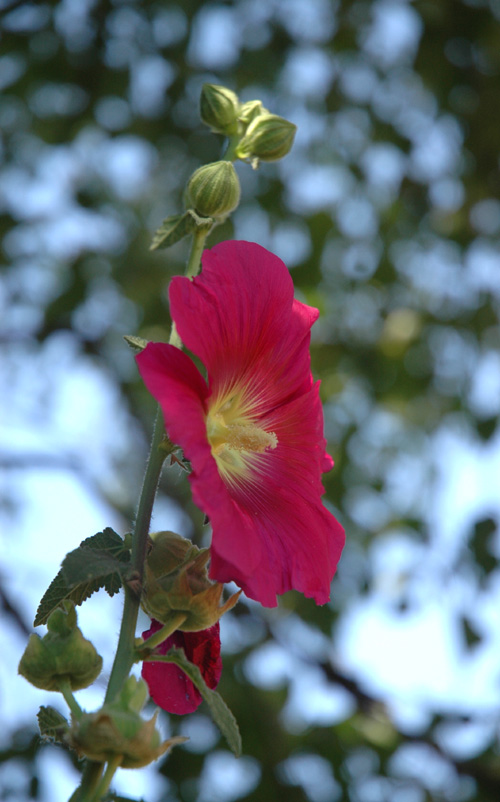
{"points": [[213, 190], [118, 730], [267, 138], [63, 655], [176, 581]]}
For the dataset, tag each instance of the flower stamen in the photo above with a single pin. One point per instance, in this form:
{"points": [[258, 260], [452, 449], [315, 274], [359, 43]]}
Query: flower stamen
{"points": [[248, 437], [234, 437]]}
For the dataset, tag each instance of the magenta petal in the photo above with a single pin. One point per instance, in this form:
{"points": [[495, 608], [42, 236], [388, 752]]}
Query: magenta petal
{"points": [[239, 316], [173, 379], [169, 687], [296, 543]]}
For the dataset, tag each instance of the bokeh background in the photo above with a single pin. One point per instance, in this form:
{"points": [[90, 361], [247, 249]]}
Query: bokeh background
{"points": [[387, 213]]}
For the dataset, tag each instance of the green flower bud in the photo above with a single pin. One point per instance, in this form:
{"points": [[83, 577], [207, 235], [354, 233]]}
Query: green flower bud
{"points": [[214, 190], [250, 110], [267, 138], [63, 654], [117, 729], [134, 694], [176, 581], [219, 109], [63, 620]]}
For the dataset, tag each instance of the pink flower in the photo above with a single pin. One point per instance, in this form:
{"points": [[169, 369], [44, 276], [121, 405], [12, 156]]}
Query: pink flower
{"points": [[169, 687], [254, 433]]}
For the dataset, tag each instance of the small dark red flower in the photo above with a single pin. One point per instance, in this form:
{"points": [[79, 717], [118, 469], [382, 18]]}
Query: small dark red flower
{"points": [[254, 430], [169, 687]]}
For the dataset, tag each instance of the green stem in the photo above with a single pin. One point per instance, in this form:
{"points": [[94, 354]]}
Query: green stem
{"points": [[197, 245], [124, 657], [65, 689], [103, 786], [125, 653], [229, 155], [192, 269], [91, 776], [149, 486]]}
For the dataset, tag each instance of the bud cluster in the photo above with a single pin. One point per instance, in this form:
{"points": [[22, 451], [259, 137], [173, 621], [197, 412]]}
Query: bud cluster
{"points": [[267, 138], [213, 191], [259, 135]]}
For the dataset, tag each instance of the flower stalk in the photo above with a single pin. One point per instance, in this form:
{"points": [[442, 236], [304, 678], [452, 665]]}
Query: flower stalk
{"points": [[106, 779], [232, 144], [163, 633], [65, 690], [125, 653], [91, 777], [194, 260]]}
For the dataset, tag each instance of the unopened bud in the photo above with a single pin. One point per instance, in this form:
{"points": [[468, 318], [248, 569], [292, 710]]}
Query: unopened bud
{"points": [[134, 695], [118, 730], [219, 109], [250, 110], [176, 581], [267, 138], [214, 190], [62, 655]]}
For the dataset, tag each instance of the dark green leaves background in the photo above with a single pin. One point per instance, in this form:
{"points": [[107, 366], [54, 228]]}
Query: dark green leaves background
{"points": [[387, 213]]}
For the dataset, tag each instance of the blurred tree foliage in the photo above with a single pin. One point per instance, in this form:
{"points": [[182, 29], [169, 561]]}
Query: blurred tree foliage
{"points": [[387, 212]]}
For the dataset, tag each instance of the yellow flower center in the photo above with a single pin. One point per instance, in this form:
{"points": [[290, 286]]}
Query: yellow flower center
{"points": [[235, 438]]}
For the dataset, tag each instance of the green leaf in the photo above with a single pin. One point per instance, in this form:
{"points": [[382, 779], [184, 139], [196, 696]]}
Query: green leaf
{"points": [[137, 344], [86, 565], [110, 545], [172, 230], [177, 227], [58, 590], [221, 714], [52, 724]]}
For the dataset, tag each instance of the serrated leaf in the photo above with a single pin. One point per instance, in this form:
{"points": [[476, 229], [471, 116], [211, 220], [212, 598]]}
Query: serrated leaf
{"points": [[137, 344], [59, 590], [172, 230], [177, 227], [86, 565], [52, 724], [107, 540], [220, 712]]}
